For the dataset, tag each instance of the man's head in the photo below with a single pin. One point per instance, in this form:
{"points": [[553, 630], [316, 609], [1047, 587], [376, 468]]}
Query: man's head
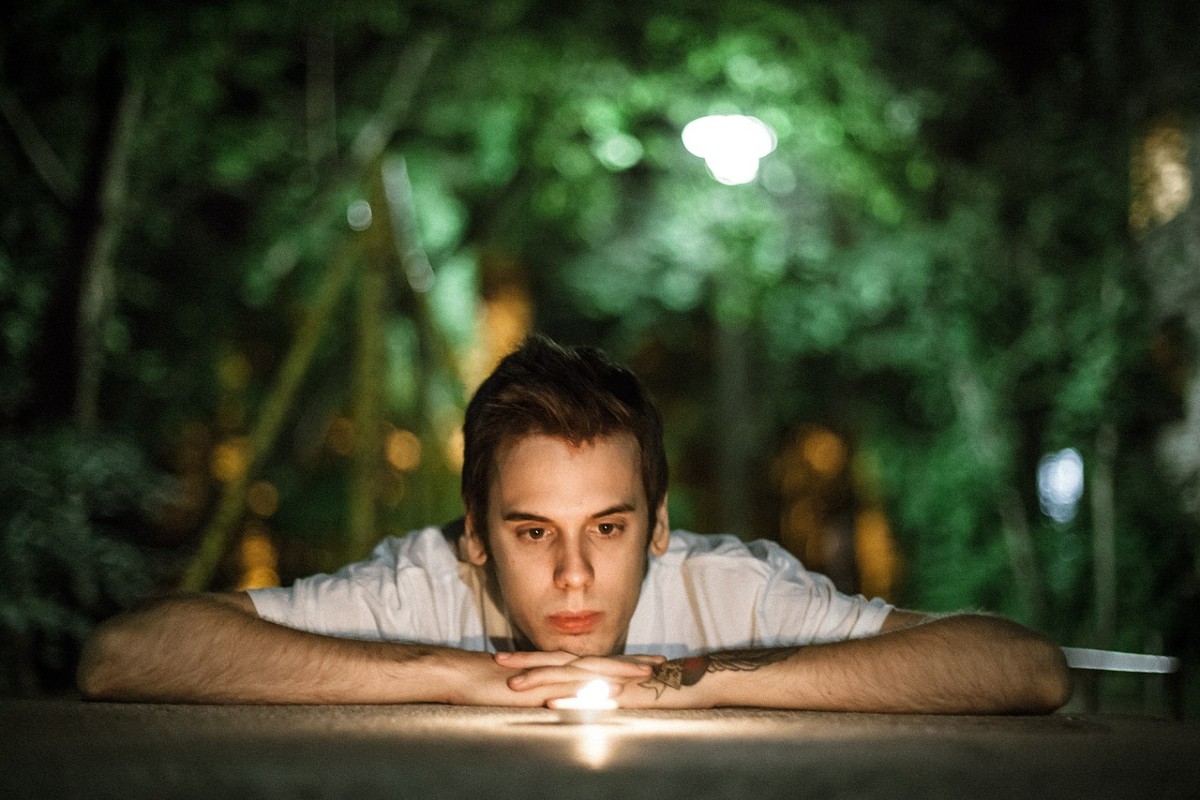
{"points": [[564, 482], [576, 394]]}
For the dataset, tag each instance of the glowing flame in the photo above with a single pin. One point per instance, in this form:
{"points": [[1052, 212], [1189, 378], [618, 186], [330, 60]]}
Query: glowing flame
{"points": [[594, 694]]}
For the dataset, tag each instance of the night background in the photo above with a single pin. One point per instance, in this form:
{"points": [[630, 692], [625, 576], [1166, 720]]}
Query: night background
{"points": [[255, 256]]}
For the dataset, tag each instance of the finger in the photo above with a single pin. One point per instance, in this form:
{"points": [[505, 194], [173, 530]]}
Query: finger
{"points": [[570, 677], [646, 658], [534, 658], [608, 666], [614, 667]]}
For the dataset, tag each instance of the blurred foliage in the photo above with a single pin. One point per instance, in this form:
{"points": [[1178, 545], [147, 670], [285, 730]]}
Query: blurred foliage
{"points": [[72, 512], [935, 263]]}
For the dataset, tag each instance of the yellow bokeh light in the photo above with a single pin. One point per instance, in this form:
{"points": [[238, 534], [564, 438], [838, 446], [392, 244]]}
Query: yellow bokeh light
{"points": [[504, 321], [403, 450], [454, 449], [876, 553], [825, 452], [258, 578], [262, 498], [259, 558], [257, 550], [800, 531], [1159, 174], [230, 459]]}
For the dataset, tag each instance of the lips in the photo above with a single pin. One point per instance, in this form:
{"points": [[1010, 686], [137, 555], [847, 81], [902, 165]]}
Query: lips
{"points": [[574, 622]]}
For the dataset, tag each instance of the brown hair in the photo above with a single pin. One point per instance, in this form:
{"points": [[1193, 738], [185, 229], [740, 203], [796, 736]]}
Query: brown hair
{"points": [[575, 393]]}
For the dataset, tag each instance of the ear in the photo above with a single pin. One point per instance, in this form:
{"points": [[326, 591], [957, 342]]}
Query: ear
{"points": [[660, 537], [476, 548]]}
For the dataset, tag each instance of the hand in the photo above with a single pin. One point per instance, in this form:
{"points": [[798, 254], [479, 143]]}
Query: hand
{"points": [[559, 674]]}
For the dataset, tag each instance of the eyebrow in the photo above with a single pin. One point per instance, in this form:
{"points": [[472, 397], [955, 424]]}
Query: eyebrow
{"points": [[526, 516]]}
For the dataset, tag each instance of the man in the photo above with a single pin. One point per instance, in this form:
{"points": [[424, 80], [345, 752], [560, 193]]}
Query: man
{"points": [[564, 570]]}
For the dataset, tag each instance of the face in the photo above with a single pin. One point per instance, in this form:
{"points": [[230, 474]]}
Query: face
{"points": [[567, 536]]}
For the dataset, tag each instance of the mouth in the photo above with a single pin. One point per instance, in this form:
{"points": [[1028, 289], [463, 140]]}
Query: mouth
{"points": [[575, 622]]}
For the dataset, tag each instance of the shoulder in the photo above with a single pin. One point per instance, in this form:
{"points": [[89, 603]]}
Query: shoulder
{"points": [[687, 547], [401, 592], [423, 550], [425, 547], [687, 543]]}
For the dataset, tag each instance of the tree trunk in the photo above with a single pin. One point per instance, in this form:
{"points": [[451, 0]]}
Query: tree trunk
{"points": [[1104, 549], [369, 375], [56, 357], [969, 395], [99, 274]]}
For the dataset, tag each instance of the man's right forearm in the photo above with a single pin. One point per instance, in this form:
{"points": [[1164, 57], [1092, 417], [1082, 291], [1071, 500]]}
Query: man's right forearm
{"points": [[205, 649]]}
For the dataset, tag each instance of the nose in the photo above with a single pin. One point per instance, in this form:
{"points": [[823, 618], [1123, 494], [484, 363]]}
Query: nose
{"points": [[573, 569]]}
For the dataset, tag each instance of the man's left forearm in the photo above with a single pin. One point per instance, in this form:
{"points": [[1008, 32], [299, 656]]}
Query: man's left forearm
{"points": [[959, 664]]}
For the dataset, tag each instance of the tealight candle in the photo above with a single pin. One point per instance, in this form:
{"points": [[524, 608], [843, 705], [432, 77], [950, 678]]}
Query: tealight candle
{"points": [[590, 704]]}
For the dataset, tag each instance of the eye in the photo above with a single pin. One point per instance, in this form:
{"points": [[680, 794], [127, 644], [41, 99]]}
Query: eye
{"points": [[534, 534], [608, 528]]}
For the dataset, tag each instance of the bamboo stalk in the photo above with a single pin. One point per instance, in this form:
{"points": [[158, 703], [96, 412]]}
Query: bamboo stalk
{"points": [[369, 376], [38, 151], [266, 428], [415, 269], [368, 148], [99, 279]]}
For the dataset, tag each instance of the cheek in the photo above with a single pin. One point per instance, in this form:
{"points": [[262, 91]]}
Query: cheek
{"points": [[518, 578], [630, 572]]}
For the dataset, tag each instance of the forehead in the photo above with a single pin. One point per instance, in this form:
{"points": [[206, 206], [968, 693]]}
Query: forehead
{"points": [[553, 473]]}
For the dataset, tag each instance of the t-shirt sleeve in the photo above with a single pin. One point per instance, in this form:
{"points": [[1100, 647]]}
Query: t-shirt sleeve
{"points": [[359, 601], [803, 607]]}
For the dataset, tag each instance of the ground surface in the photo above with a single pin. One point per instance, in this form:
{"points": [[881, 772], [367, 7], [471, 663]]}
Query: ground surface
{"points": [[66, 749]]}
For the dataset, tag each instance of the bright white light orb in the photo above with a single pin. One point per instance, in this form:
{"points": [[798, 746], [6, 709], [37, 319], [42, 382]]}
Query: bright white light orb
{"points": [[358, 215], [730, 144], [1060, 484]]}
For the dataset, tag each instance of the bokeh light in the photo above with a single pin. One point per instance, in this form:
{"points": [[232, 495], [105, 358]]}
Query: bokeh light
{"points": [[403, 450], [730, 144], [1060, 484]]}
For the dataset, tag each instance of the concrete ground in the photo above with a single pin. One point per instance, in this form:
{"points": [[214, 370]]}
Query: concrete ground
{"points": [[71, 749]]}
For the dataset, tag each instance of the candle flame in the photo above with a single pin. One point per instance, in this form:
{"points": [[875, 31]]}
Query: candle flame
{"points": [[594, 693]]}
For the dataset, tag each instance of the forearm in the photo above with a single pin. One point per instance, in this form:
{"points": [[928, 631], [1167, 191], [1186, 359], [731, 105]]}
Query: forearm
{"points": [[202, 649], [960, 664]]}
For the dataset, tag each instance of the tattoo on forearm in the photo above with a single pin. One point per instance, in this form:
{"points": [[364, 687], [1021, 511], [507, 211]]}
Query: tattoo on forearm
{"points": [[688, 671]]}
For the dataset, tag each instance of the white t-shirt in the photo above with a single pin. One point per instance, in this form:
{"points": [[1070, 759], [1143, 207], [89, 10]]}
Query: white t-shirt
{"points": [[707, 592]]}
